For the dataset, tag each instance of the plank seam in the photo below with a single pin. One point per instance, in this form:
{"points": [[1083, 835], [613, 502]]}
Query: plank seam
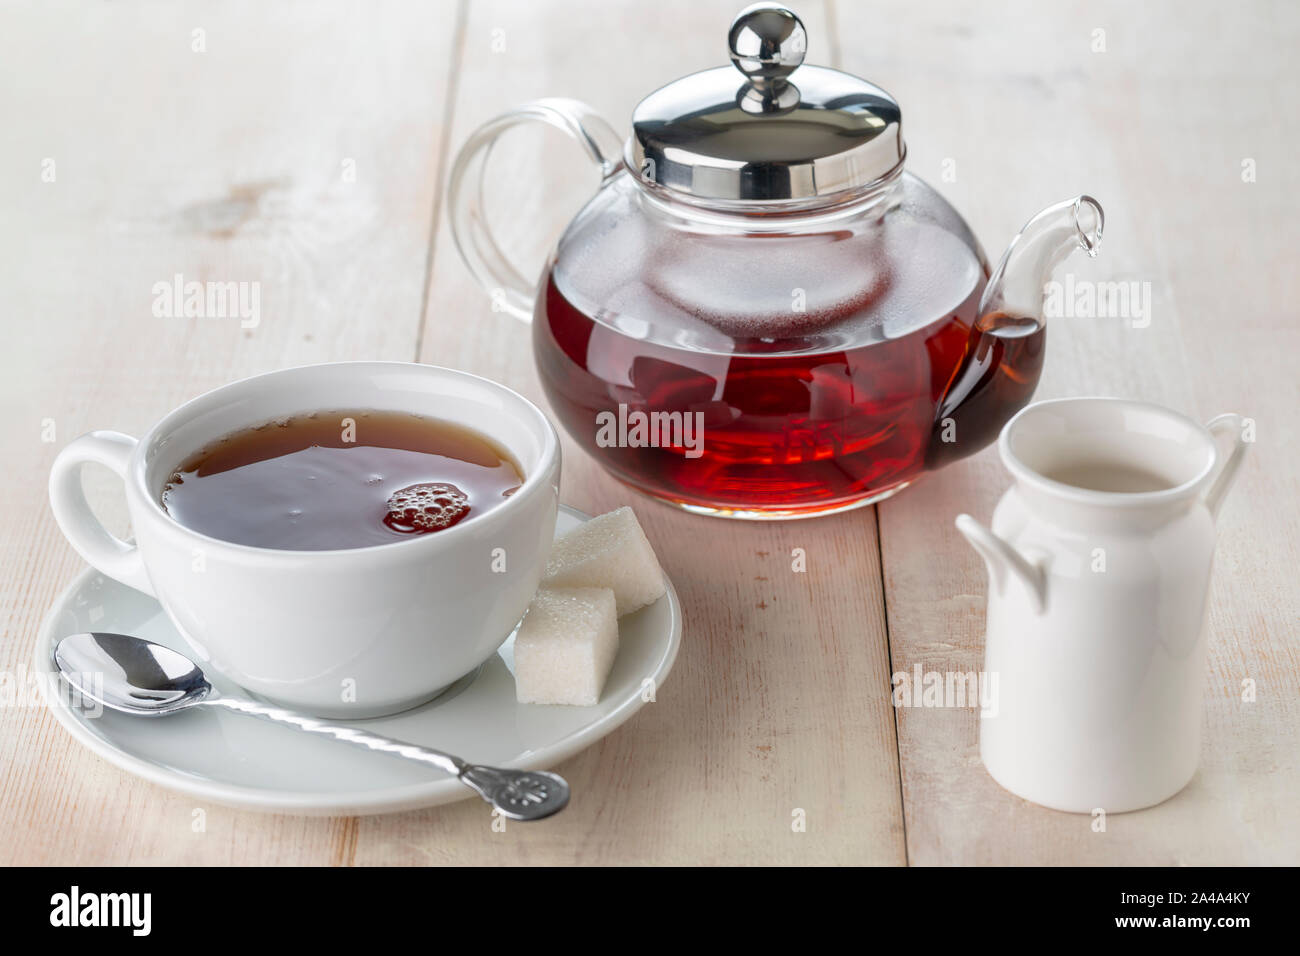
{"points": [[444, 148], [889, 656]]}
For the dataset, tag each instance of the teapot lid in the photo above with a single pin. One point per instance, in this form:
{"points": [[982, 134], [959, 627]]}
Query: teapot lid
{"points": [[784, 131]]}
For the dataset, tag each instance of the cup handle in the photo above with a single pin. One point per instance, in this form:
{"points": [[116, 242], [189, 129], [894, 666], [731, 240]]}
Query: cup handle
{"points": [[111, 555], [1228, 423], [510, 291]]}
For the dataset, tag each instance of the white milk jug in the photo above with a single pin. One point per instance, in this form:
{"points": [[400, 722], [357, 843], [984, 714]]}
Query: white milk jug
{"points": [[1099, 565]]}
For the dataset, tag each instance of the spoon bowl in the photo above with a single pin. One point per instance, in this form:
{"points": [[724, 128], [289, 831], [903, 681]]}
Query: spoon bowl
{"points": [[129, 674]]}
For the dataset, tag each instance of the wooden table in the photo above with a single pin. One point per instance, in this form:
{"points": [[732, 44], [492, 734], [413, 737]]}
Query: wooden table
{"points": [[305, 146]]}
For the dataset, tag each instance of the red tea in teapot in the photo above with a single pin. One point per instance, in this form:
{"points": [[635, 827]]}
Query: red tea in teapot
{"points": [[771, 428]]}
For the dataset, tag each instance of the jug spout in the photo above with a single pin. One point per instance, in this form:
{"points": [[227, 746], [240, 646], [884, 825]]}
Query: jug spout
{"points": [[1004, 562], [1004, 353]]}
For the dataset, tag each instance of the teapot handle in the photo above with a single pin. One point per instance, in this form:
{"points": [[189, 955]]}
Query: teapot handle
{"points": [[510, 291]]}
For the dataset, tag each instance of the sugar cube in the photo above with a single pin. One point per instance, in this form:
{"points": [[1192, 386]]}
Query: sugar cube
{"points": [[609, 551], [565, 646]]}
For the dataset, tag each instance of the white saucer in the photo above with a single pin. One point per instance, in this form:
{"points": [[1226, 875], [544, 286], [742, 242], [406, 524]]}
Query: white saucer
{"points": [[241, 762]]}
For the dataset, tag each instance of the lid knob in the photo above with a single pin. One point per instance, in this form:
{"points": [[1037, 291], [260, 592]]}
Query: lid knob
{"points": [[767, 42], [788, 130]]}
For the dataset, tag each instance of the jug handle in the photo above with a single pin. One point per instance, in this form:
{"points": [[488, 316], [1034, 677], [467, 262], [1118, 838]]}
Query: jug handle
{"points": [[1004, 561], [1227, 423], [510, 291]]}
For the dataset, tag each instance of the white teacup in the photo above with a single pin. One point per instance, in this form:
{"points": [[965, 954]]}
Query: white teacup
{"points": [[349, 633]]}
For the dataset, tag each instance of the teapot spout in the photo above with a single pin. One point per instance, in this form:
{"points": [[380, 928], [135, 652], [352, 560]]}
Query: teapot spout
{"points": [[1004, 353], [1015, 289]]}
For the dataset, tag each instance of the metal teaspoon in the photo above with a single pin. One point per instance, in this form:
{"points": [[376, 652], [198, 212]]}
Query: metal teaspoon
{"points": [[149, 680]]}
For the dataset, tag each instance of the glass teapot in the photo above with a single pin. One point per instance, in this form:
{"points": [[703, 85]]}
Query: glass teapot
{"points": [[761, 313]]}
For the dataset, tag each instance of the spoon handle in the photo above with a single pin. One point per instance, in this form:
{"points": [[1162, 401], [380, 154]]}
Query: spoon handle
{"points": [[444, 762], [518, 794]]}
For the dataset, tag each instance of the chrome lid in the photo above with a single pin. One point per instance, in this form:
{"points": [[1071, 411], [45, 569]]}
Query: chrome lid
{"points": [[777, 130]]}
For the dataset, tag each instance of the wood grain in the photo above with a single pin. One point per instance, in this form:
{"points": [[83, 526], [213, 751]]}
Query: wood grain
{"points": [[231, 164]]}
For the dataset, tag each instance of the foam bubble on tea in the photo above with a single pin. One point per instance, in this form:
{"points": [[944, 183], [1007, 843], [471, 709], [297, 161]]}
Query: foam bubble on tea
{"points": [[430, 506]]}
